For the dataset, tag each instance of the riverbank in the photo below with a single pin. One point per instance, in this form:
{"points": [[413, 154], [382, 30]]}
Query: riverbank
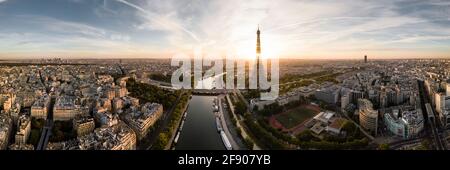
{"points": [[164, 137], [175, 135], [179, 122], [239, 124], [230, 124], [227, 139]]}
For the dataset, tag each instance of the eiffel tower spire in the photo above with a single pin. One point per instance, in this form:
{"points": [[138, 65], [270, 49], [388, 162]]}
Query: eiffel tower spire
{"points": [[258, 53], [258, 42]]}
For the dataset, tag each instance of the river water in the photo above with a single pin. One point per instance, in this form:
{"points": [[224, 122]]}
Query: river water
{"points": [[199, 130]]}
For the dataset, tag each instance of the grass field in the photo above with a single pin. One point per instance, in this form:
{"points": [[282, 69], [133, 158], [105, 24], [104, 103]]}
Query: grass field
{"points": [[294, 117]]}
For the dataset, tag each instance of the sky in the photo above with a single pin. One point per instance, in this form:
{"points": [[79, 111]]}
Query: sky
{"points": [[304, 29]]}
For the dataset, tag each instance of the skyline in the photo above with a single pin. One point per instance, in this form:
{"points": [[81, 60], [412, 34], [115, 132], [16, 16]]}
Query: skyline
{"points": [[159, 29]]}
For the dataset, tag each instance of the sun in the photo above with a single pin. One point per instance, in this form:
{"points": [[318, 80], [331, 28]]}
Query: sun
{"points": [[247, 50], [271, 49]]}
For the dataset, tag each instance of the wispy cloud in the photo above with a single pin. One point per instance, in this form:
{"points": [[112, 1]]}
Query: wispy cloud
{"points": [[290, 28], [59, 35], [160, 21]]}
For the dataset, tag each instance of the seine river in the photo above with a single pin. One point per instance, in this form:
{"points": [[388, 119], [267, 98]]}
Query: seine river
{"points": [[199, 130]]}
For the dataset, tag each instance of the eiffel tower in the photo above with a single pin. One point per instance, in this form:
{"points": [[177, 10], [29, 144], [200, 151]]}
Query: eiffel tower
{"points": [[258, 53]]}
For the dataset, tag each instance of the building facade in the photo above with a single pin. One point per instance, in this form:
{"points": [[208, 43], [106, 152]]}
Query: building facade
{"points": [[65, 108], [407, 125], [140, 120], [23, 129], [5, 130], [40, 107], [368, 118], [83, 125], [329, 94]]}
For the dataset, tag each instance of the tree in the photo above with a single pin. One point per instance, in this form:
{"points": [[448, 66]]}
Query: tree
{"points": [[151, 93], [271, 109], [270, 141], [58, 136], [233, 121], [349, 114], [239, 131], [425, 144], [37, 123], [240, 108], [160, 77], [349, 127], [34, 137], [162, 141], [303, 100], [383, 146], [305, 136], [248, 142]]}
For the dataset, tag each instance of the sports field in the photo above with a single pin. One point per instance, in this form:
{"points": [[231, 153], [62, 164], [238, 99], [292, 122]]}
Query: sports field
{"points": [[296, 116]]}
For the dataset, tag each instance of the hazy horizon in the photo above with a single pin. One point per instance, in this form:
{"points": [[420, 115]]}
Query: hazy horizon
{"points": [[290, 29], [167, 58]]}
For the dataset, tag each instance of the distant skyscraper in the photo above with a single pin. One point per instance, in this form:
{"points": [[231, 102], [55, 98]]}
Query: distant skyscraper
{"points": [[365, 59]]}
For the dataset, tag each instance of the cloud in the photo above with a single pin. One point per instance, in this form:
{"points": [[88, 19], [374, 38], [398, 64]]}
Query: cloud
{"points": [[291, 27], [69, 28], [295, 27], [118, 37], [60, 26], [158, 21], [415, 39], [50, 35]]}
